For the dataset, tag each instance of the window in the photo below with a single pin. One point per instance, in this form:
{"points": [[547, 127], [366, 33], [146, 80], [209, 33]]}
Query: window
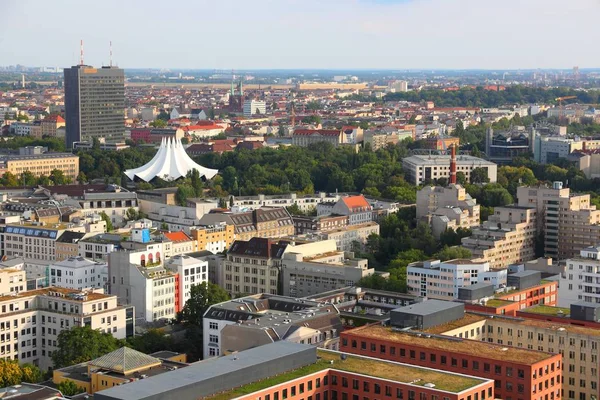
{"points": [[213, 325]]}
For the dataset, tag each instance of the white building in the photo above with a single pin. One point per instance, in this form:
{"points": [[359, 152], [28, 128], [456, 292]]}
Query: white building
{"points": [[31, 321], [254, 107], [423, 168], [78, 273], [441, 280], [356, 208], [139, 278], [304, 203], [191, 272], [580, 280], [21, 128]]}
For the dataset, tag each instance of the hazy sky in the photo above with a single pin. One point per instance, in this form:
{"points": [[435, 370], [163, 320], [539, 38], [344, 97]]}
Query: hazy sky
{"points": [[328, 34]]}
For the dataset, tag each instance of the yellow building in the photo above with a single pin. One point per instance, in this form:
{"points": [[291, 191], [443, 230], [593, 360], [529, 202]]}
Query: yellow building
{"points": [[214, 239], [44, 164], [121, 366]]}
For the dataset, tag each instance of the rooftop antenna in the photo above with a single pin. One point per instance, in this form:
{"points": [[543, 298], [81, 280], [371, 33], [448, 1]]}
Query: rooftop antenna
{"points": [[110, 60], [81, 52]]}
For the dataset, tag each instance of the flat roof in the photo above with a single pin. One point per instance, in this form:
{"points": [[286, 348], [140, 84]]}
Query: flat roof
{"points": [[437, 159], [456, 345], [202, 371], [468, 319], [394, 371], [67, 293], [428, 307]]}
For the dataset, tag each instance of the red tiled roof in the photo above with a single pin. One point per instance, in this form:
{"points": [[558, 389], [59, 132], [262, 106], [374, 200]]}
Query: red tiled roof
{"points": [[177, 236], [200, 127], [353, 202], [54, 118], [322, 132]]}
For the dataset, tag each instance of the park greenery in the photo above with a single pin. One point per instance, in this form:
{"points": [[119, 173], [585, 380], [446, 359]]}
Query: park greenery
{"points": [[11, 373]]}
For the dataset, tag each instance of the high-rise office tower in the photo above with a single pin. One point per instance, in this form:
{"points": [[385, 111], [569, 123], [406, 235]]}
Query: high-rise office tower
{"points": [[94, 103]]}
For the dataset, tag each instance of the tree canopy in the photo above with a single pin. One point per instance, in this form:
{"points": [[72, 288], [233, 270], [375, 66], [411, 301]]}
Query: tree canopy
{"points": [[201, 297], [82, 343]]}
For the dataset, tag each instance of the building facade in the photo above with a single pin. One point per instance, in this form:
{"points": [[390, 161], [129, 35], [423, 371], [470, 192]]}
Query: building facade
{"points": [[94, 103], [428, 168]]}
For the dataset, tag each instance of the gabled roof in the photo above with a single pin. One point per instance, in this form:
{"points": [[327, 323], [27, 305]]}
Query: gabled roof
{"points": [[54, 118], [125, 359]]}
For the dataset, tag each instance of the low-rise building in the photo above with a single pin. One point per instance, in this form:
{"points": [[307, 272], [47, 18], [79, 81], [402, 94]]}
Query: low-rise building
{"points": [[78, 273], [427, 168], [356, 208], [181, 243], [442, 280], [256, 320], [306, 137], [98, 247], [353, 237], [216, 238], [305, 203], [67, 245], [42, 164]]}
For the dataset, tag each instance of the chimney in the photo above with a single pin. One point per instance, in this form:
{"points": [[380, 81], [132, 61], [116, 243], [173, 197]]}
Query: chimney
{"points": [[453, 164]]}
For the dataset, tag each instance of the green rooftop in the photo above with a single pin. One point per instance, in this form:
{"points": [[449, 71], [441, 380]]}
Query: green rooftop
{"points": [[548, 310], [361, 365], [497, 303]]}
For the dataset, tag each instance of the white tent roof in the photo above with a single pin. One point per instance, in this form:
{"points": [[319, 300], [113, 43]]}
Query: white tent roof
{"points": [[169, 163]]}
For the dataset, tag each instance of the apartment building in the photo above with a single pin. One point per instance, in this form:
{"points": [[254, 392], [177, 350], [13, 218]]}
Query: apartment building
{"points": [[263, 223], [181, 243], [67, 245], [34, 241], [252, 266], [98, 247], [310, 275], [114, 203], [352, 237], [12, 280], [78, 273], [256, 320], [448, 207], [569, 222], [118, 367], [304, 202], [303, 371], [31, 321], [50, 125], [517, 372], [580, 280], [188, 272], [42, 164], [215, 238], [138, 277], [356, 208], [507, 237], [305, 224], [157, 206], [426, 168], [434, 279]]}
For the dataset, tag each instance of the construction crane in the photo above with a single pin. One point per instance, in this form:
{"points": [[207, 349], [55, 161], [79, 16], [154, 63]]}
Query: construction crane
{"points": [[560, 105]]}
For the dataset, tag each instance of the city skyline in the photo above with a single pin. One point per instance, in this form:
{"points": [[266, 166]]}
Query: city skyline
{"points": [[358, 34]]}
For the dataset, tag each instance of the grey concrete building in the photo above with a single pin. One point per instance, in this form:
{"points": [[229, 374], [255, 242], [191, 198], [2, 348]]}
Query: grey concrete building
{"points": [[94, 103]]}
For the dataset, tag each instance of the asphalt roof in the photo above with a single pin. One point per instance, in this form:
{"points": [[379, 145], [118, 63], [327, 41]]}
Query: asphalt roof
{"points": [[428, 307]]}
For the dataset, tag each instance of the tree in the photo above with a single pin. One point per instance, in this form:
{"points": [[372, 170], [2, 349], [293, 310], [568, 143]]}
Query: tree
{"points": [[82, 343], [201, 297], [294, 209], [461, 178], [58, 177], [106, 218], [81, 178], [163, 115], [158, 123], [184, 192], [10, 373], [479, 175], [452, 253], [131, 214], [151, 341], [222, 203], [31, 373], [69, 388]]}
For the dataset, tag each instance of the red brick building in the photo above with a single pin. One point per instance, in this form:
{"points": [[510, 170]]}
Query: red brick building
{"points": [[518, 374]]}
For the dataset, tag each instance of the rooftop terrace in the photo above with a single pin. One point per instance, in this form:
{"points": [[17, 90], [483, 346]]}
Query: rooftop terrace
{"points": [[456, 345], [397, 372]]}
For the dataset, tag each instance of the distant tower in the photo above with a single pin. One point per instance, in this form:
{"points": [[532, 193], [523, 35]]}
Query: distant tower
{"points": [[488, 141], [23, 81], [293, 115], [576, 73]]}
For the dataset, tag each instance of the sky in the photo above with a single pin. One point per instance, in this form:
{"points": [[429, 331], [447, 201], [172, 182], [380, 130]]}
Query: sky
{"points": [[303, 34]]}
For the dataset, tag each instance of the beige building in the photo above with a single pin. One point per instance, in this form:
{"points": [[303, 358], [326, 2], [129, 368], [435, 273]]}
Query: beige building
{"points": [[349, 237], [568, 221], [306, 137], [215, 239], [31, 321], [306, 276], [50, 125], [34, 241], [577, 344], [67, 245], [12, 280], [43, 164], [448, 207], [507, 237]]}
